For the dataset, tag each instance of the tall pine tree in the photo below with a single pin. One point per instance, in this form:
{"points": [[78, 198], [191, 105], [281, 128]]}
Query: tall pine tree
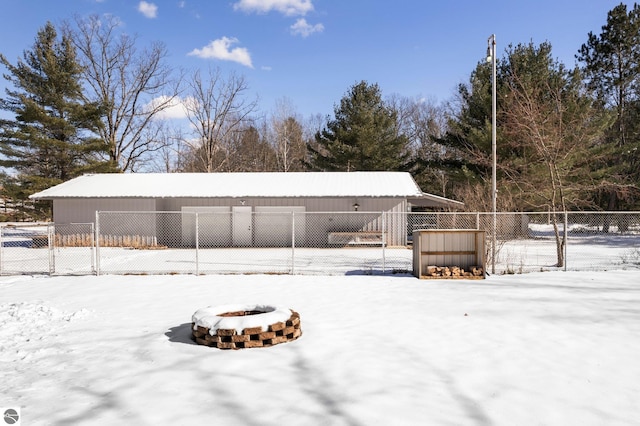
{"points": [[611, 63], [52, 138], [362, 136], [466, 145]]}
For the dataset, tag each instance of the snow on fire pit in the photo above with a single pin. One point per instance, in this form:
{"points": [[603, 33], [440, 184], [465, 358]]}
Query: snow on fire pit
{"points": [[245, 326]]}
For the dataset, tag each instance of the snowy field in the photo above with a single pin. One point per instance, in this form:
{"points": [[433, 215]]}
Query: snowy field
{"points": [[551, 348]]}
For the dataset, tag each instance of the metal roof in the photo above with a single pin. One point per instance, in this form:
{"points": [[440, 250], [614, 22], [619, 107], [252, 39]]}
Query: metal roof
{"points": [[237, 185]]}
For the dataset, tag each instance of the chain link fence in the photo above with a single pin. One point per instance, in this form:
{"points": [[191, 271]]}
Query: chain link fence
{"points": [[528, 242], [298, 242], [47, 249]]}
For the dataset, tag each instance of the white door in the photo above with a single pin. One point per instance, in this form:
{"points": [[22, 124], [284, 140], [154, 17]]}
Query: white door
{"points": [[242, 229]]}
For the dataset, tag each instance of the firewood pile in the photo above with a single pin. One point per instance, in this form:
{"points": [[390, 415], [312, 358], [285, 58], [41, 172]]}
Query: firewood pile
{"points": [[473, 272], [255, 337]]}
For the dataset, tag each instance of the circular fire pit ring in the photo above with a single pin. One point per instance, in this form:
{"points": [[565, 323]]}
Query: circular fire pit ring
{"points": [[245, 326]]}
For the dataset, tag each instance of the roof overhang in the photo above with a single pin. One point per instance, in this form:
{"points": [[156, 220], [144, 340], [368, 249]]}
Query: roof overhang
{"points": [[434, 201]]}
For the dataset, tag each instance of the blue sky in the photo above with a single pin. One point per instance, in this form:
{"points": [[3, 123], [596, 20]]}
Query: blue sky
{"points": [[312, 51]]}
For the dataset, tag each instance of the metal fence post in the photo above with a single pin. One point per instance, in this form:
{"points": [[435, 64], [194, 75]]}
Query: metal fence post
{"points": [[197, 245], [566, 239], [293, 243], [384, 240], [50, 247], [97, 242], [1, 248], [92, 243], [494, 239]]}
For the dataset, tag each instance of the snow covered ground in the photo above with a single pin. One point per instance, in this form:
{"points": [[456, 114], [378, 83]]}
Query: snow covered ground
{"points": [[552, 348]]}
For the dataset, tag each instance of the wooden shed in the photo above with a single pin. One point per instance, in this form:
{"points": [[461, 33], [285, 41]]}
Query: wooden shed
{"points": [[450, 253]]}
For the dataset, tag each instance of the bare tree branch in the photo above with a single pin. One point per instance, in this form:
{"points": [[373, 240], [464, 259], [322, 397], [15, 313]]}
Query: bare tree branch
{"points": [[216, 108], [133, 86]]}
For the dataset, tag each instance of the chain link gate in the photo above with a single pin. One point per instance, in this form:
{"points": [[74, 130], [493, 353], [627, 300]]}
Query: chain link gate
{"points": [[48, 248], [73, 249], [24, 249]]}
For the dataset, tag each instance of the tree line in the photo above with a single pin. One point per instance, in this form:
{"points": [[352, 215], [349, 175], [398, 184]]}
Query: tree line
{"points": [[86, 98]]}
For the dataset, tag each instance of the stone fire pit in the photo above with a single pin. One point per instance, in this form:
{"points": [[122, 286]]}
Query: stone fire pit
{"points": [[245, 326]]}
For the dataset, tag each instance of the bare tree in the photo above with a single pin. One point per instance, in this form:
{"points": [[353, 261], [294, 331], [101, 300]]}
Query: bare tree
{"points": [[216, 108], [249, 151], [428, 122], [314, 124], [423, 122], [550, 121], [134, 86], [170, 158], [287, 137]]}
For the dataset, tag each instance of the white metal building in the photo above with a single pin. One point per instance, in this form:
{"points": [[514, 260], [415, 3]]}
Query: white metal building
{"points": [[244, 200]]}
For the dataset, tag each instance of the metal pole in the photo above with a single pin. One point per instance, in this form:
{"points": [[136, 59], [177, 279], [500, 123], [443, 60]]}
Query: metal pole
{"points": [[384, 242], [494, 190], [1, 248], [566, 241], [50, 247], [93, 254], [293, 243], [97, 237], [197, 248]]}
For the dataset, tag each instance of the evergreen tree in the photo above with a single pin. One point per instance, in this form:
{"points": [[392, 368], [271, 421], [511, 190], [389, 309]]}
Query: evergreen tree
{"points": [[611, 64], [362, 136], [52, 138], [534, 92], [550, 123], [466, 161]]}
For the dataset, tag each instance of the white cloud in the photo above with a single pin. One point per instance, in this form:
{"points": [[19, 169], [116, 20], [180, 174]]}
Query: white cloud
{"points": [[265, 68], [286, 7], [149, 10], [182, 4], [304, 29], [221, 49], [175, 110]]}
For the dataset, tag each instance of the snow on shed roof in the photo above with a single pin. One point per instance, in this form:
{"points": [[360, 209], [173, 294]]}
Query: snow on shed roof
{"points": [[235, 185]]}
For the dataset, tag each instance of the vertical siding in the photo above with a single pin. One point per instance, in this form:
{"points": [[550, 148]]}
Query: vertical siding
{"points": [[83, 210], [396, 222], [214, 225], [273, 226], [448, 248], [310, 204]]}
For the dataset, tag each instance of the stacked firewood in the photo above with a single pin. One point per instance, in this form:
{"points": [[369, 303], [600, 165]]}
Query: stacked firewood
{"points": [[454, 272]]}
